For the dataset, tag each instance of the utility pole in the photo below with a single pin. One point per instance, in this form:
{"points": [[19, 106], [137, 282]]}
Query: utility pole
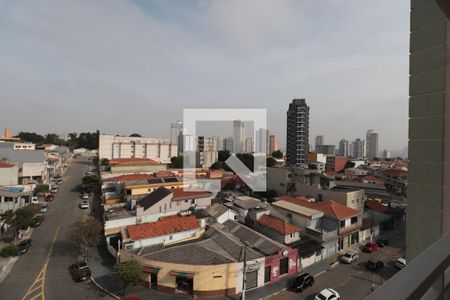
{"points": [[244, 275]]}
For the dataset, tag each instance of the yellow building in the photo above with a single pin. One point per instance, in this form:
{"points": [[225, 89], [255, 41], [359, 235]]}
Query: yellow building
{"points": [[145, 187], [192, 269]]}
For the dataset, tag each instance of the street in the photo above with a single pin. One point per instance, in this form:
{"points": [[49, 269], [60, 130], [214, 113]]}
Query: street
{"points": [[351, 281], [42, 273]]}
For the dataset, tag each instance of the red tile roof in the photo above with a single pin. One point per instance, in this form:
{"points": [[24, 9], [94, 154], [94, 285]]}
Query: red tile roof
{"points": [[131, 177], [165, 226], [181, 194], [377, 206], [6, 165], [278, 225], [329, 207], [396, 172]]}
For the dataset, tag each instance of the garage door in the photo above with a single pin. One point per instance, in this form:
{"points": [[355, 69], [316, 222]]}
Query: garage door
{"points": [[251, 279]]}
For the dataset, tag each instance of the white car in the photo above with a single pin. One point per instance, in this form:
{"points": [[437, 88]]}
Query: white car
{"points": [[400, 263], [349, 257], [84, 204], [327, 294], [85, 196], [35, 200], [44, 208]]}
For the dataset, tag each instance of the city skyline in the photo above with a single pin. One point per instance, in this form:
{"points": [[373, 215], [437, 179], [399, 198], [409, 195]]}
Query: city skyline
{"points": [[132, 72]]}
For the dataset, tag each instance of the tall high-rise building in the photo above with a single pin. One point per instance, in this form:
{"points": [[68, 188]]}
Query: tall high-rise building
{"points": [[320, 140], [262, 141], [297, 133], [176, 135], [358, 149], [220, 144], [205, 143], [428, 192], [326, 149], [273, 144], [248, 145], [371, 144], [343, 148], [238, 136], [228, 144]]}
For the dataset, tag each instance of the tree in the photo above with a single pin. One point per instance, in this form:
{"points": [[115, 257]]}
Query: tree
{"points": [[52, 138], [277, 154], [312, 166], [135, 135], [223, 155], [41, 188], [176, 162], [31, 137], [84, 234], [216, 166], [8, 250], [128, 273], [91, 183], [270, 162]]}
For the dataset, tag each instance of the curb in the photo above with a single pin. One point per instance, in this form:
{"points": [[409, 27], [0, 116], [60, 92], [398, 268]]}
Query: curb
{"points": [[103, 289], [7, 268]]}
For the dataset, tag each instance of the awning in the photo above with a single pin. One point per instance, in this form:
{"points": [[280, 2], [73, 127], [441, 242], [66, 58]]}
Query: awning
{"points": [[187, 275], [151, 270]]}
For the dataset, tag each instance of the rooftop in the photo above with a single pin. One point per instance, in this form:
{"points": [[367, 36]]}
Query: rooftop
{"points": [[5, 165], [329, 207], [301, 210], [153, 198], [182, 194], [216, 210], [278, 225], [165, 226], [118, 213], [131, 177], [121, 162]]}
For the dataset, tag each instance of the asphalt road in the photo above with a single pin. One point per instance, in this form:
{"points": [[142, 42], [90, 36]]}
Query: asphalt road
{"points": [[42, 273], [351, 281]]}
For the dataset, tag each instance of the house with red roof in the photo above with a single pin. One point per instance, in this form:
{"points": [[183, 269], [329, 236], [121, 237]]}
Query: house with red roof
{"points": [[167, 230], [278, 229], [337, 217]]}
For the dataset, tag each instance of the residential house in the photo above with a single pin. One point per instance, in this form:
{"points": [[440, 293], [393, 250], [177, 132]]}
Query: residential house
{"points": [[220, 213], [396, 181], [167, 230]]}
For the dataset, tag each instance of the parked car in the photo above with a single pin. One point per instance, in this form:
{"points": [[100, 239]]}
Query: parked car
{"points": [[301, 282], [54, 190], [23, 246], [327, 294], [370, 247], [80, 271], [381, 242], [84, 204], [59, 181], [349, 257], [35, 200], [50, 198], [374, 264], [85, 196], [44, 208], [400, 263], [37, 221]]}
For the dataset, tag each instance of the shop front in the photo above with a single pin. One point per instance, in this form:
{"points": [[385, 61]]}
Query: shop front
{"points": [[283, 263]]}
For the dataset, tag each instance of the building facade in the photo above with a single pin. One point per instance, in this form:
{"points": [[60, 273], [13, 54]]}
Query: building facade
{"points": [[326, 149], [358, 148], [160, 150], [344, 148], [273, 144], [371, 144], [297, 137], [238, 136]]}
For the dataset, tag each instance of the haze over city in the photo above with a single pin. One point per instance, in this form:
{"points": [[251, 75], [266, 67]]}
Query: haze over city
{"points": [[105, 61]]}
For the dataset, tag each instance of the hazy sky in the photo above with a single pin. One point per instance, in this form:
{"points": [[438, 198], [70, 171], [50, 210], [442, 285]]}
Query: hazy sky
{"points": [[132, 66]]}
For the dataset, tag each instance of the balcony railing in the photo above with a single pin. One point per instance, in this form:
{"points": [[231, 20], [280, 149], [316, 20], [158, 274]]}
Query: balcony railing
{"points": [[426, 277]]}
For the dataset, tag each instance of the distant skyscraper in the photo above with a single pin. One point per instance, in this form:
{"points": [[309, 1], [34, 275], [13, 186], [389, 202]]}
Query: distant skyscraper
{"points": [[228, 144], [358, 149], [273, 144], [343, 148], [238, 136], [297, 137], [262, 141], [220, 144], [326, 149], [176, 135], [371, 144], [385, 154], [320, 140], [248, 145]]}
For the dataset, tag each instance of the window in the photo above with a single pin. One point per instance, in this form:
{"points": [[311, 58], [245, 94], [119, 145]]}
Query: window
{"points": [[291, 235], [165, 206], [354, 220], [342, 223], [170, 237], [160, 210]]}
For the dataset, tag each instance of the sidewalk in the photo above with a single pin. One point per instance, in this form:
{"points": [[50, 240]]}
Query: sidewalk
{"points": [[101, 266], [6, 265]]}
